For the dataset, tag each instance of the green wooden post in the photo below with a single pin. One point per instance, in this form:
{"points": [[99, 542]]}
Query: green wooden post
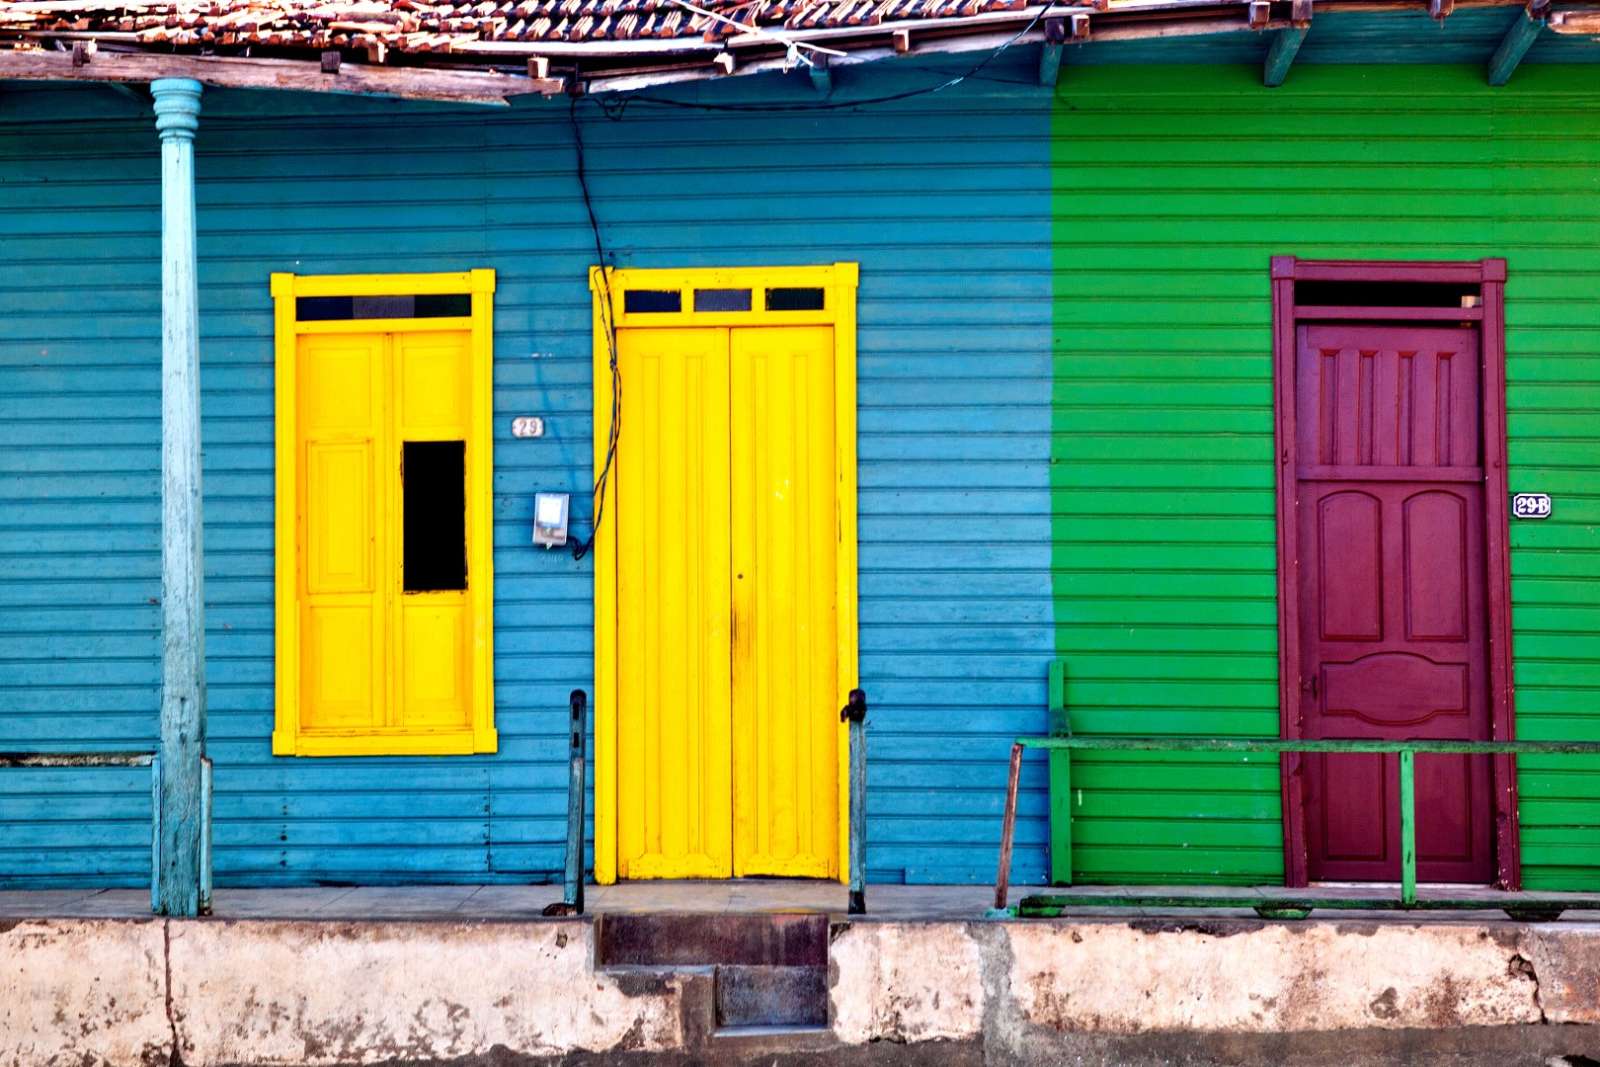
{"points": [[181, 808], [1408, 827], [1060, 779]]}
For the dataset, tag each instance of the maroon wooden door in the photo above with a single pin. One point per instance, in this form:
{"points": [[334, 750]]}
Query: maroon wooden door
{"points": [[1393, 613]]}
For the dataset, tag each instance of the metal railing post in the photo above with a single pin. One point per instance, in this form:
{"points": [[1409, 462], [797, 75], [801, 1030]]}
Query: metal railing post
{"points": [[206, 809], [1008, 828], [155, 835], [577, 756], [855, 713], [1408, 827]]}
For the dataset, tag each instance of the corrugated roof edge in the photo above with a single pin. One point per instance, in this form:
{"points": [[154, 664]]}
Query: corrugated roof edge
{"points": [[496, 54]]}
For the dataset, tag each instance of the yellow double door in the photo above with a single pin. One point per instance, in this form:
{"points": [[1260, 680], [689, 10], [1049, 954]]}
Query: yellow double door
{"points": [[727, 643]]}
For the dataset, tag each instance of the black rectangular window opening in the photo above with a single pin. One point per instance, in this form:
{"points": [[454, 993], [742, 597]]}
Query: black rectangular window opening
{"points": [[640, 301], [722, 300], [806, 298], [421, 306], [1387, 294], [434, 478]]}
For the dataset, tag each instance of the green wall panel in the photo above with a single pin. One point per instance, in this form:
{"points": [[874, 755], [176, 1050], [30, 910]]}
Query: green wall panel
{"points": [[1171, 188]]}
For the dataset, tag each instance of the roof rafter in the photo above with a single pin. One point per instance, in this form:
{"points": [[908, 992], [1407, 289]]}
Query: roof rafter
{"points": [[1286, 45], [248, 72], [1518, 39]]}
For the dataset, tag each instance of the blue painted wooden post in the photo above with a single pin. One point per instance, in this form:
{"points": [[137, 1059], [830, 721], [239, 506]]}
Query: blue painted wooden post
{"points": [[181, 812]]}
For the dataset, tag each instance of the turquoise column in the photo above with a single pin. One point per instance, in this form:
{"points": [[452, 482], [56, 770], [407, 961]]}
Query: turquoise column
{"points": [[181, 816]]}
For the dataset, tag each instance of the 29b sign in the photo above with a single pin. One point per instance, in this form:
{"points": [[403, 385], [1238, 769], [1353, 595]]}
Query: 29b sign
{"points": [[1531, 505]]}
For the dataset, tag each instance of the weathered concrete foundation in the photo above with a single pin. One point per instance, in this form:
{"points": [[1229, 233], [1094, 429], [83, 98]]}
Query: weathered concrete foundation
{"points": [[197, 992]]}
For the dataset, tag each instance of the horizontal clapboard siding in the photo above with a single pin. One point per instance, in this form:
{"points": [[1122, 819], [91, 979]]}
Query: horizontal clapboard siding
{"points": [[1171, 191], [943, 200]]}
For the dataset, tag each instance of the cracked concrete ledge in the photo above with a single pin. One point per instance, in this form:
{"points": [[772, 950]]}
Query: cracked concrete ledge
{"points": [[1014, 983], [208, 993]]}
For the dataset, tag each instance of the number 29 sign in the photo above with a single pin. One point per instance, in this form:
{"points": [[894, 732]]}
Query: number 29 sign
{"points": [[1530, 505]]}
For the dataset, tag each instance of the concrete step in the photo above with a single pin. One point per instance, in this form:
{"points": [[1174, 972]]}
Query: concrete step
{"points": [[745, 1044], [764, 996], [796, 939]]}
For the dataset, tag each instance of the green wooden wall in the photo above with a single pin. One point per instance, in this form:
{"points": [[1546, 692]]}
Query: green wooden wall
{"points": [[1171, 189]]}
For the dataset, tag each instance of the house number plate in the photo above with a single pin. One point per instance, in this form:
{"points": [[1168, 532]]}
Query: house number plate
{"points": [[1531, 505]]}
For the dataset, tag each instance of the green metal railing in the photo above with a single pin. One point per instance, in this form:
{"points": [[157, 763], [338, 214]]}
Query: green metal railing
{"points": [[1529, 906]]}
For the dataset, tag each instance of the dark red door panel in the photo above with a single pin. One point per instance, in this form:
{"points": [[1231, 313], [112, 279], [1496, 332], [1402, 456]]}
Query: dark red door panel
{"points": [[1393, 612]]}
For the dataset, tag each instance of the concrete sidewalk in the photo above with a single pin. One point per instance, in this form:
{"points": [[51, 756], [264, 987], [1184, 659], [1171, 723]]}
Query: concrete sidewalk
{"points": [[515, 902]]}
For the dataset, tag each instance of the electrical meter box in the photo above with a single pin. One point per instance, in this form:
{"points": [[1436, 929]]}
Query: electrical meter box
{"points": [[550, 519]]}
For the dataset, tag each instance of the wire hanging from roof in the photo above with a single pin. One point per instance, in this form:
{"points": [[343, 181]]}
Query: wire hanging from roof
{"points": [[791, 45]]}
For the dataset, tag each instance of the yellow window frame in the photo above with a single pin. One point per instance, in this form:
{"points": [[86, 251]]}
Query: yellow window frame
{"points": [[840, 282], [480, 737]]}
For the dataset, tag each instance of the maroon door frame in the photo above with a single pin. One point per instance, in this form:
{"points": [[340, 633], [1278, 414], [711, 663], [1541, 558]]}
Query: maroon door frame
{"points": [[1490, 276]]}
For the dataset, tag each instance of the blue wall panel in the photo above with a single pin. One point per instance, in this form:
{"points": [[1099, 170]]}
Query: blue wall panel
{"points": [[943, 200]]}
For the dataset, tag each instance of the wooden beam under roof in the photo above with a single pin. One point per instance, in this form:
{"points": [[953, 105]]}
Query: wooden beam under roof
{"points": [[249, 72], [1584, 22], [1515, 44], [821, 76], [1286, 45], [1055, 35]]}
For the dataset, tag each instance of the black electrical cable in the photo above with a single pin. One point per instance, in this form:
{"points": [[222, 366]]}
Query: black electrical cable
{"points": [[615, 111], [608, 324]]}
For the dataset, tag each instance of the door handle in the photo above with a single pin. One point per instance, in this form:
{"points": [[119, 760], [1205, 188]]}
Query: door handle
{"points": [[1309, 685]]}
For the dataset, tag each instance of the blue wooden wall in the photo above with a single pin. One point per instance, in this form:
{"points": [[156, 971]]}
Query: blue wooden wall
{"points": [[942, 199]]}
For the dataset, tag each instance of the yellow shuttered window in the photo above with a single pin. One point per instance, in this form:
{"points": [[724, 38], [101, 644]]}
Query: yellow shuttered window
{"points": [[384, 514]]}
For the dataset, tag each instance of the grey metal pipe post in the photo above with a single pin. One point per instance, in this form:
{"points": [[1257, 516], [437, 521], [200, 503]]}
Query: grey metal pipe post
{"points": [[577, 753], [855, 713]]}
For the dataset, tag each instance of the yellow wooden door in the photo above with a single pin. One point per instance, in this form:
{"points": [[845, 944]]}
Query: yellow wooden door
{"points": [[673, 720], [727, 631], [386, 625], [785, 560], [344, 550]]}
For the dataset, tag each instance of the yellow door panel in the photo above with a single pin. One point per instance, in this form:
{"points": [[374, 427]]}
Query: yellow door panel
{"points": [[435, 661], [341, 554], [674, 757], [339, 379], [340, 670], [434, 385], [785, 655], [340, 515]]}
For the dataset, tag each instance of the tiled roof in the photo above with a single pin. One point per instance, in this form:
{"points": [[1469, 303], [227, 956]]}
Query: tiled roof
{"points": [[444, 26]]}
